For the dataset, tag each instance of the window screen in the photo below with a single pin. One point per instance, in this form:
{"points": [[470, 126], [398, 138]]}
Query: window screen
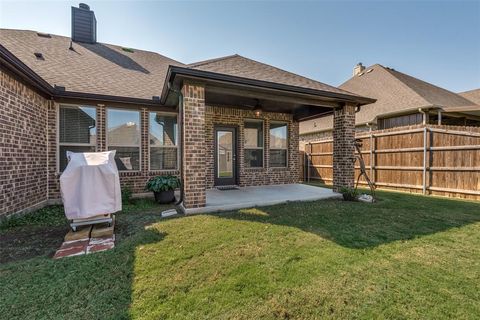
{"points": [[278, 144], [123, 135], [253, 147], [163, 141], [77, 131]]}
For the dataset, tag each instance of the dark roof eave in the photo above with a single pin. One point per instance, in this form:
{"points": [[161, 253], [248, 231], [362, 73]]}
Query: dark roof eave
{"points": [[175, 70], [14, 64], [106, 98], [23, 71]]}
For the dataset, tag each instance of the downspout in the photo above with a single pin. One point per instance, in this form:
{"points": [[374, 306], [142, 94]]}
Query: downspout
{"points": [[181, 140], [424, 116]]}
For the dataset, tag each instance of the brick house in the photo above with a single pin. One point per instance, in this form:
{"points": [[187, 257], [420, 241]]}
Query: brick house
{"points": [[225, 121]]}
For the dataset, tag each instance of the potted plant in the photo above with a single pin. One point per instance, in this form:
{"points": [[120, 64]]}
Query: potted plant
{"points": [[349, 194], [163, 188]]}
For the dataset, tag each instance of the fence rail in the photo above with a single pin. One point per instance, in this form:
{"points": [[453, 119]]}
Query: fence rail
{"points": [[431, 159]]}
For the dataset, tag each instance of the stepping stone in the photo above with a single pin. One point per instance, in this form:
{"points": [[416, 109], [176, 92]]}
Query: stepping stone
{"points": [[82, 233], [101, 240], [70, 252], [100, 230], [74, 244], [100, 247]]}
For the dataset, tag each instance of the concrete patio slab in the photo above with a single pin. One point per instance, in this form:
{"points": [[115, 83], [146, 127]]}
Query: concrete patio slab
{"points": [[248, 197]]}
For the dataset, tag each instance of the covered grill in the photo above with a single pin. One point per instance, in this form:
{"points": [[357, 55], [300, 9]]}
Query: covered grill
{"points": [[90, 187]]}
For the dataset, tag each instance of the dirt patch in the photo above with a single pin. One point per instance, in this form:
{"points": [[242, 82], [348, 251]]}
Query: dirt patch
{"points": [[26, 243]]}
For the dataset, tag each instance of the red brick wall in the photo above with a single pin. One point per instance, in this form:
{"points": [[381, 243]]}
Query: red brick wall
{"points": [[194, 148], [135, 180], [252, 176], [343, 147], [23, 146]]}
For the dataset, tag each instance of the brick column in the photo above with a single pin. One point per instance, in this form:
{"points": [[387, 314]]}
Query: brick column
{"points": [[343, 147], [194, 146]]}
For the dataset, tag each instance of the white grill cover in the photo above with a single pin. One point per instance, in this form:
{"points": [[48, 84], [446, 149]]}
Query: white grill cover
{"points": [[90, 185]]}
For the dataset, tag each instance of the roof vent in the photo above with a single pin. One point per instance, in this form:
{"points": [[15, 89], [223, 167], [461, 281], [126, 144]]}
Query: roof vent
{"points": [[44, 35], [84, 24], [39, 55], [59, 88]]}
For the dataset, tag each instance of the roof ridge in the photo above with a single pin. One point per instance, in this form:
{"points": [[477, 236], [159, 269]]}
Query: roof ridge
{"points": [[389, 71], [98, 42], [393, 71], [468, 91], [208, 61], [298, 75]]}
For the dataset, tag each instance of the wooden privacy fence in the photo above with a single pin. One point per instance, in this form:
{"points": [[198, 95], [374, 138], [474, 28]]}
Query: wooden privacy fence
{"points": [[429, 159]]}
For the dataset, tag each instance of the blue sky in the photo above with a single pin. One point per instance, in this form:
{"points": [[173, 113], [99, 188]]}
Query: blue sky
{"points": [[437, 41]]}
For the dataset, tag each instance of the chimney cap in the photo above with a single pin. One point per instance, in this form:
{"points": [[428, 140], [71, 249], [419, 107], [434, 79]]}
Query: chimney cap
{"points": [[84, 6]]}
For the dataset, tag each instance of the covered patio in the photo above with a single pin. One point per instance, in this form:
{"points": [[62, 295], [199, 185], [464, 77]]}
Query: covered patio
{"points": [[257, 196]]}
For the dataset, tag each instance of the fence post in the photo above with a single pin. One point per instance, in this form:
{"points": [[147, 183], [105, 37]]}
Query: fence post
{"points": [[308, 161], [372, 161], [424, 178]]}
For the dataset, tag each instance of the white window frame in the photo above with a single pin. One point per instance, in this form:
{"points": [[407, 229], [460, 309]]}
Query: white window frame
{"points": [[256, 148], [139, 146], [270, 146], [67, 144], [176, 141]]}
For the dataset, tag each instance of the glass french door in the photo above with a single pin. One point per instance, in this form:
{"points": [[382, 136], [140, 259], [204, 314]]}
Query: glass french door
{"points": [[225, 156]]}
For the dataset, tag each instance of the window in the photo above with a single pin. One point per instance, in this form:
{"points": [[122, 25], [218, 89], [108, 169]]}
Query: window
{"points": [[77, 131], [253, 148], [163, 141], [278, 144], [123, 135]]}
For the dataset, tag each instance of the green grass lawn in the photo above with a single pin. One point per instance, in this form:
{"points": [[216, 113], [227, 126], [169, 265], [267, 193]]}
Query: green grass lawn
{"points": [[404, 257]]}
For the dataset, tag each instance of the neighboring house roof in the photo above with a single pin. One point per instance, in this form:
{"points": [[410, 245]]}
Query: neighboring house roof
{"points": [[472, 95], [238, 66], [98, 68], [395, 92]]}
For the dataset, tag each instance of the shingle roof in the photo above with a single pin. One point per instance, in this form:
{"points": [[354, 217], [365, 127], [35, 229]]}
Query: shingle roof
{"points": [[91, 68], [112, 70], [395, 92], [236, 65], [472, 95]]}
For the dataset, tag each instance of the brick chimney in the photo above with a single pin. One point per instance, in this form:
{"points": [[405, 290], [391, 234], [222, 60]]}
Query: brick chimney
{"points": [[84, 24], [358, 69]]}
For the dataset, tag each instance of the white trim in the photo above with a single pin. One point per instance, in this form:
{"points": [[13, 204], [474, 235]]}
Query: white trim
{"points": [[139, 146]]}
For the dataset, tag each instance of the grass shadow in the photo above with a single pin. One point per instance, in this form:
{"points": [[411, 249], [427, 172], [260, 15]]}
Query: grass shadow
{"points": [[361, 225], [81, 287]]}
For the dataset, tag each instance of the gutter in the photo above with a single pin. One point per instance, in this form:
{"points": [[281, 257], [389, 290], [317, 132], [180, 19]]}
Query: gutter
{"points": [[15, 65], [173, 71]]}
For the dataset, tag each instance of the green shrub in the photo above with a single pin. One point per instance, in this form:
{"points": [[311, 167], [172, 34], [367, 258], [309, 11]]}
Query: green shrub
{"points": [[349, 194], [126, 195], [162, 183]]}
